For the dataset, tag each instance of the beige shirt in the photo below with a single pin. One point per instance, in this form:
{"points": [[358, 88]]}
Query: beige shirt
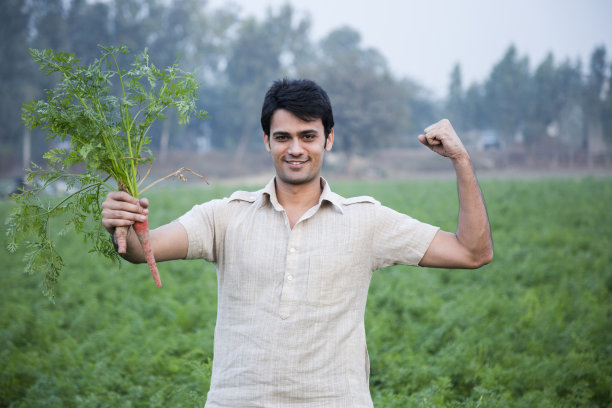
{"points": [[291, 302]]}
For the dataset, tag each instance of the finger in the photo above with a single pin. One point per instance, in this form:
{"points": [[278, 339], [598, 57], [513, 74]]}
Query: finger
{"points": [[126, 208], [111, 224], [121, 196], [144, 204], [116, 199], [431, 127], [423, 139], [118, 214], [432, 133], [432, 139], [139, 206], [130, 205]]}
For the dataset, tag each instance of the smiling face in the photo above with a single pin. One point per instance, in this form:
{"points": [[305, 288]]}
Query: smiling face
{"points": [[297, 148]]}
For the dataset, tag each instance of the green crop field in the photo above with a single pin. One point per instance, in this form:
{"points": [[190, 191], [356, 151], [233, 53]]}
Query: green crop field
{"points": [[532, 329]]}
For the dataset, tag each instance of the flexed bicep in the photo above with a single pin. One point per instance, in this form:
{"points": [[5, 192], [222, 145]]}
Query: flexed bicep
{"points": [[446, 251]]}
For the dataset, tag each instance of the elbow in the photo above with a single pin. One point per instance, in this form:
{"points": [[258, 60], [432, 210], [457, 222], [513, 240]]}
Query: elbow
{"points": [[481, 259], [487, 258]]}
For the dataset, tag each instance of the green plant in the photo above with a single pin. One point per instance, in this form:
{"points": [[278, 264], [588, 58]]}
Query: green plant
{"points": [[104, 113]]}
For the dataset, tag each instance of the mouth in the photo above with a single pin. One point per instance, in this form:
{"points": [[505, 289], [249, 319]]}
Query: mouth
{"points": [[296, 163]]}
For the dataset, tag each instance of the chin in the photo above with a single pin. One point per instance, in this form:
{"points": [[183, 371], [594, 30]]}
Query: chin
{"points": [[295, 181]]}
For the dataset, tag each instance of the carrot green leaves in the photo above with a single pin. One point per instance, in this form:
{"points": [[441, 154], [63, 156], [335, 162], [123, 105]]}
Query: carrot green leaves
{"points": [[99, 115]]}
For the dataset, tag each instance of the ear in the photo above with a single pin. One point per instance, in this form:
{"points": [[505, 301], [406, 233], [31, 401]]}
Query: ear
{"points": [[267, 142], [330, 141]]}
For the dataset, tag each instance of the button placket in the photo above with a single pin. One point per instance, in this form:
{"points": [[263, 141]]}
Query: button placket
{"points": [[290, 278]]}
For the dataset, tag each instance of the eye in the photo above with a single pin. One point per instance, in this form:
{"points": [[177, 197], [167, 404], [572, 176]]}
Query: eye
{"points": [[280, 138], [309, 136]]}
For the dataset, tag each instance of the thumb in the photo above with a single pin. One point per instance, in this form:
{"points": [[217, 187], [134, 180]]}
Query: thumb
{"points": [[424, 141]]}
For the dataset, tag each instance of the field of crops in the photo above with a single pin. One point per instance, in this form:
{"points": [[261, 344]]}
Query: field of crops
{"points": [[532, 329]]}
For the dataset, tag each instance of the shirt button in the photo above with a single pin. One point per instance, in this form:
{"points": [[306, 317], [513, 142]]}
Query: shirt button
{"points": [[292, 249], [290, 277]]}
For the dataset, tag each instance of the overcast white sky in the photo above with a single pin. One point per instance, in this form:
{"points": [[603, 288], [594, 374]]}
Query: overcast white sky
{"points": [[424, 39]]}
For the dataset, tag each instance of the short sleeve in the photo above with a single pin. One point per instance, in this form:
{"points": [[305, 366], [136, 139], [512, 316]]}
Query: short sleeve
{"points": [[399, 238], [201, 224]]}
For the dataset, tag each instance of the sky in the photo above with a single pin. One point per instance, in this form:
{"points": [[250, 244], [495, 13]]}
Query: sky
{"points": [[423, 40]]}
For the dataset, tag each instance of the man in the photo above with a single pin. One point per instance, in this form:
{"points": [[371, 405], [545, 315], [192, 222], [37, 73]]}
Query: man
{"points": [[294, 260]]}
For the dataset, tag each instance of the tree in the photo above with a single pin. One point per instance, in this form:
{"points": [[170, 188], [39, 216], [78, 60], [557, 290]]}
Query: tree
{"points": [[34, 23], [570, 116], [593, 99], [545, 105], [185, 32], [88, 27], [260, 53], [421, 111], [607, 110], [47, 24], [14, 78], [455, 103], [134, 21], [475, 109], [507, 93], [370, 106]]}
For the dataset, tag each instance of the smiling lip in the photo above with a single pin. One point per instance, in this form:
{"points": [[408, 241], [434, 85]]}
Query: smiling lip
{"points": [[296, 163]]}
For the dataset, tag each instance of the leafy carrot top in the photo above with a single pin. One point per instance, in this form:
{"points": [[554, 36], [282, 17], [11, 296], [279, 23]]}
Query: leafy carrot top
{"points": [[104, 113]]}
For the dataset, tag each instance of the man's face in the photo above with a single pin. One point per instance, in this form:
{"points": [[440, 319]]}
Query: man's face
{"points": [[297, 147]]}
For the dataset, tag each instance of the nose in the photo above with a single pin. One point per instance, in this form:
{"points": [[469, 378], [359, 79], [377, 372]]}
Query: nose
{"points": [[295, 147]]}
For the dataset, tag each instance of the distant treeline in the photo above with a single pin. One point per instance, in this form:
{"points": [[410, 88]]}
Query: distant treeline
{"points": [[561, 104]]}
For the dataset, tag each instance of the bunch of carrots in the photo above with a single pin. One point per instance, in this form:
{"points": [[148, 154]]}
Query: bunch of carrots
{"points": [[105, 113]]}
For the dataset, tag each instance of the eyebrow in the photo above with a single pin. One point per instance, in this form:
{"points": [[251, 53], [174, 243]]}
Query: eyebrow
{"points": [[300, 133]]}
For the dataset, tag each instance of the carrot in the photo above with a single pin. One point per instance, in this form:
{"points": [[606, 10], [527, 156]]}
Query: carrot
{"points": [[142, 232], [121, 239], [121, 232]]}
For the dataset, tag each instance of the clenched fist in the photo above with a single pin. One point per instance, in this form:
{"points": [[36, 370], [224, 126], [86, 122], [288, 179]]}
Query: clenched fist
{"points": [[442, 139]]}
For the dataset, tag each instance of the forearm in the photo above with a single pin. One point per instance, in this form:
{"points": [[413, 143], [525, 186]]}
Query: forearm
{"points": [[168, 242], [473, 228], [471, 246]]}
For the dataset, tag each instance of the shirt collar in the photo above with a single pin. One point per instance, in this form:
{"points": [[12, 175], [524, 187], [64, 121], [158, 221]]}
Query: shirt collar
{"points": [[269, 192]]}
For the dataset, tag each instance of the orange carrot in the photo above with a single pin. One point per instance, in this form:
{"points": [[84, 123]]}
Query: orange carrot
{"points": [[142, 232], [121, 239], [121, 232]]}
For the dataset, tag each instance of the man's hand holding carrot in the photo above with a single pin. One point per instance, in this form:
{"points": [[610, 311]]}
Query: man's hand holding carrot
{"points": [[120, 211]]}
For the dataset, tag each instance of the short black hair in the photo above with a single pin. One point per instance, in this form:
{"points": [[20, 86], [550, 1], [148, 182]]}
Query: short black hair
{"points": [[302, 97]]}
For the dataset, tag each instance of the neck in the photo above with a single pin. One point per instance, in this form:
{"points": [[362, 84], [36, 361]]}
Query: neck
{"points": [[298, 195]]}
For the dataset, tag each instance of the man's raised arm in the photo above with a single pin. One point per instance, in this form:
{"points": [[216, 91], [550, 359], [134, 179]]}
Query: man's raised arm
{"points": [[471, 246], [169, 241]]}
